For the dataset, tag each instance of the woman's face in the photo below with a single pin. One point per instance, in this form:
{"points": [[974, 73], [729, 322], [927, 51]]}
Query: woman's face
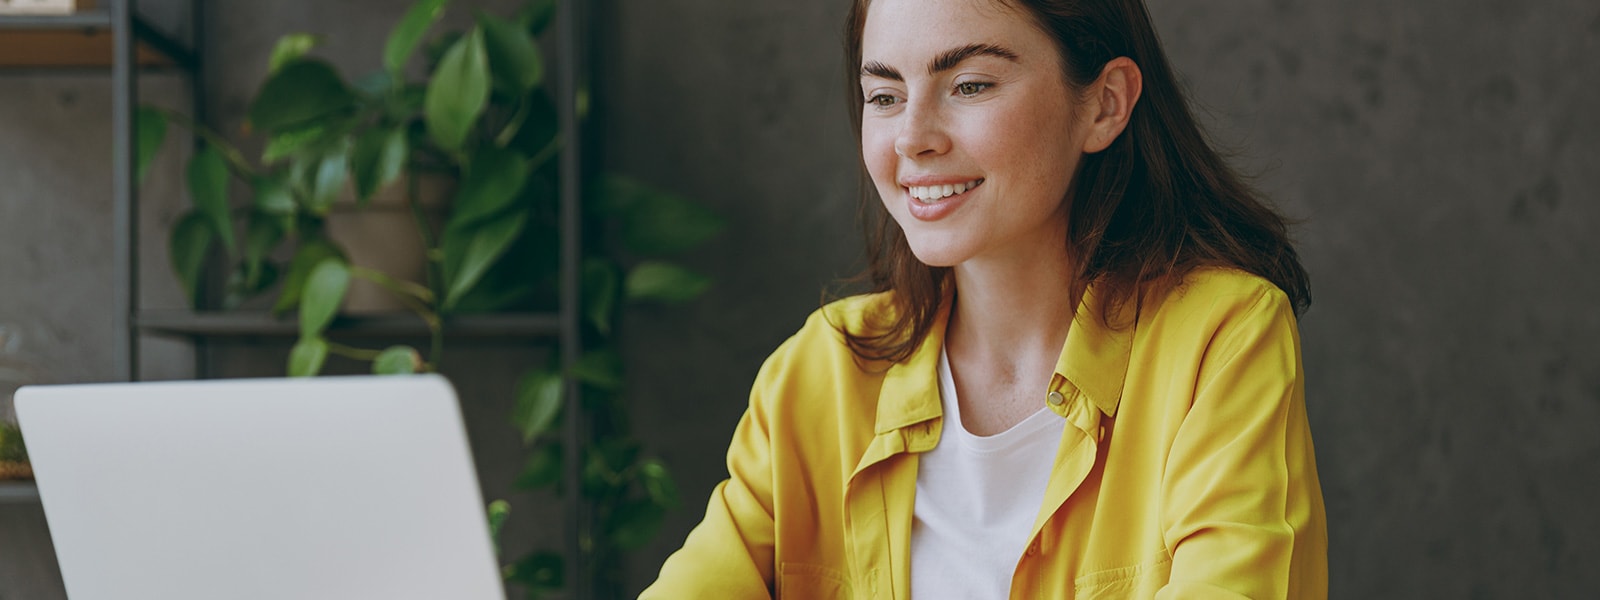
{"points": [[969, 129]]}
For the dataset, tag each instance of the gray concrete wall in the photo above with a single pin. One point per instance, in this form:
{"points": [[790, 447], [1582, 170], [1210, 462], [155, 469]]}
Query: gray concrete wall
{"points": [[1442, 155]]}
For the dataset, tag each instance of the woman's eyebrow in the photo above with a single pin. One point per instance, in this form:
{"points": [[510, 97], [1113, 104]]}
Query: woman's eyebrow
{"points": [[877, 69], [945, 61], [950, 58]]}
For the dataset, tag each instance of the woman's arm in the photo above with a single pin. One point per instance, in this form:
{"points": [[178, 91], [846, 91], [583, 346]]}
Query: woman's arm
{"points": [[1241, 505], [730, 553]]}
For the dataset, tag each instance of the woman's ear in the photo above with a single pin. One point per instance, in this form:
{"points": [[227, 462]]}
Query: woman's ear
{"points": [[1111, 102]]}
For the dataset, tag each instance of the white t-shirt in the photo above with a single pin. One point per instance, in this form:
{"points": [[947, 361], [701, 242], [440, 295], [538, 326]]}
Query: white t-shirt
{"points": [[977, 497]]}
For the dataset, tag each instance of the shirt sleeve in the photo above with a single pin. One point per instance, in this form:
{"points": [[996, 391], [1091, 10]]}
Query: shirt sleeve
{"points": [[730, 553], [1241, 504]]}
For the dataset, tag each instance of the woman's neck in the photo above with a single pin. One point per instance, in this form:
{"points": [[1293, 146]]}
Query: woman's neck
{"points": [[1012, 314]]}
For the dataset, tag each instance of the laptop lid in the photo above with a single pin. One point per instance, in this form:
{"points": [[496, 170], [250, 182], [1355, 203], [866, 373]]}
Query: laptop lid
{"points": [[332, 487]]}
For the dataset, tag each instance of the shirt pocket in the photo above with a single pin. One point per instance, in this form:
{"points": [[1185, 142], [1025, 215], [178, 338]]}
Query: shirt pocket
{"points": [[802, 581], [1142, 580]]}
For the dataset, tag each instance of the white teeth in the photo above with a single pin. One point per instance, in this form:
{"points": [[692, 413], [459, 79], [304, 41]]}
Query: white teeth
{"points": [[928, 194]]}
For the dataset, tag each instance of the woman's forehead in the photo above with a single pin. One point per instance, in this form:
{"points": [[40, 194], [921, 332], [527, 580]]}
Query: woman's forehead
{"points": [[900, 30]]}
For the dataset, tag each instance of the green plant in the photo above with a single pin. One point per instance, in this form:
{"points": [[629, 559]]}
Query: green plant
{"points": [[11, 447], [478, 114]]}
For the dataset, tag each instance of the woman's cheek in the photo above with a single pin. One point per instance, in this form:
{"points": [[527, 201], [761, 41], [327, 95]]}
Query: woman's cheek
{"points": [[877, 151]]}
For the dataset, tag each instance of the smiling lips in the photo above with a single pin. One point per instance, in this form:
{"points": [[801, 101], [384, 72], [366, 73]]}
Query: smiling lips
{"points": [[931, 194], [934, 202]]}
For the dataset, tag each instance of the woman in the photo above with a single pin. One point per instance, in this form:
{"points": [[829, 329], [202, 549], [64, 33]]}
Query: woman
{"points": [[1081, 375]]}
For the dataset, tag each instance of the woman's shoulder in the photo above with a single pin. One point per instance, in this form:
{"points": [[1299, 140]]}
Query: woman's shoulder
{"points": [[814, 376], [822, 336], [1209, 299], [1207, 289]]}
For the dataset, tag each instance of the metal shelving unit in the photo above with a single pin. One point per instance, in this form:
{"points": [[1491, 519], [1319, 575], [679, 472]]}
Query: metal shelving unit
{"points": [[115, 38], [111, 38]]}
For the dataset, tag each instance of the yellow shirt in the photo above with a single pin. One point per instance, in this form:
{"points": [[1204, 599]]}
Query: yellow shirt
{"points": [[1185, 469]]}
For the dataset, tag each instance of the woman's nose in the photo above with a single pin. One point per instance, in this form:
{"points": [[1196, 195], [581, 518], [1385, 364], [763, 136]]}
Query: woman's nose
{"points": [[922, 133]]}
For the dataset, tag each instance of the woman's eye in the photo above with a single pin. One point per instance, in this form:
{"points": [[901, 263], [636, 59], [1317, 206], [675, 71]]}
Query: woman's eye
{"points": [[971, 88], [881, 100]]}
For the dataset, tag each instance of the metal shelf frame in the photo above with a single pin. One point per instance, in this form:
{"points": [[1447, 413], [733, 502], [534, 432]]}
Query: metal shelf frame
{"points": [[18, 492], [127, 30]]}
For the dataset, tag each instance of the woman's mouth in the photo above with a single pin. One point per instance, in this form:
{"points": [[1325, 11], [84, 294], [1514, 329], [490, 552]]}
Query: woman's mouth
{"points": [[932, 194]]}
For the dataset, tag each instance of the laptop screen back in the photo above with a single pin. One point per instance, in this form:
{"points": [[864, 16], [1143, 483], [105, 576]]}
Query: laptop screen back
{"points": [[352, 487]]}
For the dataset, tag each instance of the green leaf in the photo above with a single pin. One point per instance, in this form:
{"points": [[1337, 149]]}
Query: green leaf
{"points": [[397, 360], [492, 181], [598, 477], [664, 282], [208, 187], [538, 403], [655, 223], [328, 180], [263, 233], [543, 468], [187, 247], [303, 90], [11, 443], [535, 15], [635, 523], [150, 131], [403, 40], [658, 483], [291, 47], [292, 142], [324, 290], [378, 159], [306, 258], [661, 224], [273, 196], [374, 85], [600, 286], [538, 130], [243, 285], [458, 92], [523, 272], [307, 356], [600, 368], [469, 252], [499, 511], [434, 49], [539, 572], [513, 58]]}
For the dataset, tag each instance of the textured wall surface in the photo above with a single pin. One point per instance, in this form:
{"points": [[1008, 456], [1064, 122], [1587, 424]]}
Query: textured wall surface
{"points": [[1442, 156]]}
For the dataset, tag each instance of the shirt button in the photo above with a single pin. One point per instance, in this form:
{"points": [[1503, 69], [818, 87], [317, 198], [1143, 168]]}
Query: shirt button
{"points": [[1056, 399]]}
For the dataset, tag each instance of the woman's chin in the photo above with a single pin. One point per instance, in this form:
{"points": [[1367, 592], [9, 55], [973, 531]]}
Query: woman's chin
{"points": [[937, 255]]}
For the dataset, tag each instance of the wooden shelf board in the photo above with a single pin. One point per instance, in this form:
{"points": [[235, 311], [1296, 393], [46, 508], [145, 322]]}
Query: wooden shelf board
{"points": [[240, 324], [57, 48]]}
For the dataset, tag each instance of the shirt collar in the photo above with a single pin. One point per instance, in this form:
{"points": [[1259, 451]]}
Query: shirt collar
{"points": [[1094, 359], [1095, 356]]}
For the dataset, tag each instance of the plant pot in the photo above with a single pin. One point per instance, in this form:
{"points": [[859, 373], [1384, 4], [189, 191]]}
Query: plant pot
{"points": [[383, 236]]}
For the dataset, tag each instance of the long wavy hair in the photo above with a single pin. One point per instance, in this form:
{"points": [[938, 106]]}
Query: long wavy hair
{"points": [[1157, 203]]}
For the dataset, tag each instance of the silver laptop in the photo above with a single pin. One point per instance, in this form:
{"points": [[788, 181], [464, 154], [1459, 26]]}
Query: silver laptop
{"points": [[334, 487]]}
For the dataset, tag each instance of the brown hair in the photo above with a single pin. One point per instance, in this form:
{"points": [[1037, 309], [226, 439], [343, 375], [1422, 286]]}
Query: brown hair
{"points": [[1143, 213]]}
